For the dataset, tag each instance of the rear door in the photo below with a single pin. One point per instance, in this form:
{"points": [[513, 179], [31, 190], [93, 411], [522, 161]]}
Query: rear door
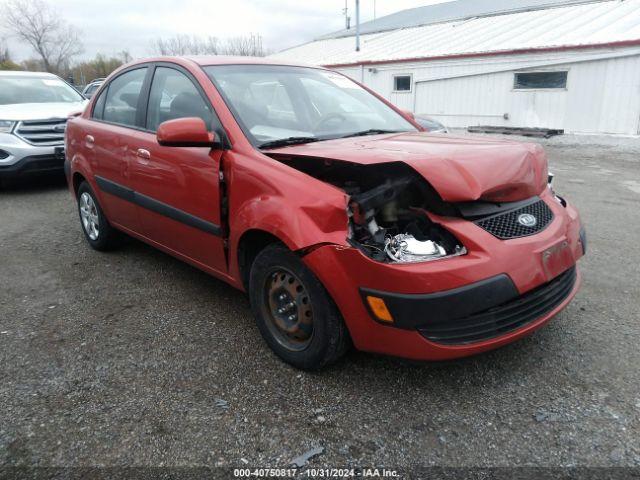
{"points": [[179, 187], [111, 139]]}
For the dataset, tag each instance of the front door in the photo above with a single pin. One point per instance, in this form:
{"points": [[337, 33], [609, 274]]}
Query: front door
{"points": [[178, 188]]}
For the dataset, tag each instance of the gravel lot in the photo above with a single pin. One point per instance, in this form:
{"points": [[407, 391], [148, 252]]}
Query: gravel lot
{"points": [[134, 358]]}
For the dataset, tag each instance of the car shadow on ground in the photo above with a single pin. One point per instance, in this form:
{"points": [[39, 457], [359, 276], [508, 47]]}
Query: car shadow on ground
{"points": [[30, 185]]}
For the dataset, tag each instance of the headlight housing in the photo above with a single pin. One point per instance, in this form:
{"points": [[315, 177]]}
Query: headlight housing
{"points": [[405, 248], [6, 126], [556, 197]]}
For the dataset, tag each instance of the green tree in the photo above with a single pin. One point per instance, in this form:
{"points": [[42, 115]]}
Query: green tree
{"points": [[99, 67], [6, 63]]}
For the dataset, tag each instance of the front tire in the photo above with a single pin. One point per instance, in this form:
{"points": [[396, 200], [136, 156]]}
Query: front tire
{"points": [[293, 311], [100, 235]]}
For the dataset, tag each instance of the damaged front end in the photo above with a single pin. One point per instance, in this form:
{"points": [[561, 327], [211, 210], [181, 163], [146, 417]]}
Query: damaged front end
{"points": [[389, 222], [388, 207]]}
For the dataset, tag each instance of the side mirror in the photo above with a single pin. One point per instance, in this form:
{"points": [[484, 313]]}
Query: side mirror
{"points": [[185, 132]]}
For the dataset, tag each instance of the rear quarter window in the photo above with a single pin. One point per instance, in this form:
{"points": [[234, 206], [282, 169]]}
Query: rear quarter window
{"points": [[98, 108]]}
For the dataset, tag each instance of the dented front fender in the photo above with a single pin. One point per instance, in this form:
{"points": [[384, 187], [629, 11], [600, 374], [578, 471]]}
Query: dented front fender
{"points": [[297, 209]]}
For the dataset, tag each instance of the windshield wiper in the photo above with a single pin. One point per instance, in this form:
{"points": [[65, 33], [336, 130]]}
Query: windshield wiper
{"points": [[283, 142], [371, 131]]}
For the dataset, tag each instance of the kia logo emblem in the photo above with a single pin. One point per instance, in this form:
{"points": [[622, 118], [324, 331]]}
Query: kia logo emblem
{"points": [[527, 220]]}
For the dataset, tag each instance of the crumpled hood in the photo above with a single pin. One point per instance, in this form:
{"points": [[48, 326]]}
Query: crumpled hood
{"points": [[40, 111], [461, 169]]}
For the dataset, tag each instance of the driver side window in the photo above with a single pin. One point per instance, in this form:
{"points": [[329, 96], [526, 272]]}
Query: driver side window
{"points": [[173, 96]]}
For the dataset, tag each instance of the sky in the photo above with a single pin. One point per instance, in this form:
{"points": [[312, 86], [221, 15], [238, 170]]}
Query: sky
{"points": [[110, 26]]}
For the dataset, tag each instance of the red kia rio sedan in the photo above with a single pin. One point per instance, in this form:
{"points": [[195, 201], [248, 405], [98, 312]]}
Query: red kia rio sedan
{"points": [[342, 219]]}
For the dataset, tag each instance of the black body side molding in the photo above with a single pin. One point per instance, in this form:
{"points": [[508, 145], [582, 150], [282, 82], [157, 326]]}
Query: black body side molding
{"points": [[156, 206]]}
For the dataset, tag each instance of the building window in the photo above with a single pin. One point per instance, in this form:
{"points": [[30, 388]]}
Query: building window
{"points": [[540, 80], [402, 83]]}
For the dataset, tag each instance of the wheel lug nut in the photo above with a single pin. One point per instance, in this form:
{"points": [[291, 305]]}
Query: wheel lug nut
{"points": [[292, 317], [283, 296], [290, 305]]}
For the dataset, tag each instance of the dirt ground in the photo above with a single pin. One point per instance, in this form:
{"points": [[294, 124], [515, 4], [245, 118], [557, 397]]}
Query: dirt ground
{"points": [[133, 358]]}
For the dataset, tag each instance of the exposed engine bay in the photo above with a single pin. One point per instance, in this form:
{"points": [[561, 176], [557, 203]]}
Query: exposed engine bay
{"points": [[387, 209]]}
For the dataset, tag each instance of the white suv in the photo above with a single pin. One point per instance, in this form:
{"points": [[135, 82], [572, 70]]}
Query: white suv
{"points": [[34, 108]]}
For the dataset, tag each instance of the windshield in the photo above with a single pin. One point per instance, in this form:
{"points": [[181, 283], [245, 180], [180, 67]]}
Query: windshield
{"points": [[18, 89], [274, 103]]}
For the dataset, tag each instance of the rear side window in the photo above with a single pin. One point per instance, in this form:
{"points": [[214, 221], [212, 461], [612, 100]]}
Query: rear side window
{"points": [[173, 95], [121, 104]]}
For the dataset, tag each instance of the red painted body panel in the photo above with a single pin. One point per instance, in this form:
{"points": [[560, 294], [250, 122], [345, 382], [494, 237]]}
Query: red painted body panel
{"points": [[269, 196], [187, 179], [309, 216]]}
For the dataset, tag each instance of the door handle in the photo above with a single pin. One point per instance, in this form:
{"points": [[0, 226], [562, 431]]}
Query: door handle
{"points": [[144, 154], [89, 141]]}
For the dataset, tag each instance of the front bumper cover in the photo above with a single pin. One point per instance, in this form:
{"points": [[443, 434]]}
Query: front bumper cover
{"points": [[21, 158], [527, 263], [476, 312], [35, 164]]}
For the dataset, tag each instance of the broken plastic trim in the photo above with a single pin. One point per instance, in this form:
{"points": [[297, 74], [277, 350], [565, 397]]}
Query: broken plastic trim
{"points": [[387, 209]]}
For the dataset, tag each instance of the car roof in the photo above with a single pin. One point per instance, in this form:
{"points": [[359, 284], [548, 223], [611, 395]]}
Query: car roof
{"points": [[209, 60], [19, 73], [233, 60]]}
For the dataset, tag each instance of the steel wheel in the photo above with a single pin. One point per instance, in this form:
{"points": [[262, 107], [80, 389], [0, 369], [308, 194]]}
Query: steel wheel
{"points": [[287, 309], [89, 216], [295, 314]]}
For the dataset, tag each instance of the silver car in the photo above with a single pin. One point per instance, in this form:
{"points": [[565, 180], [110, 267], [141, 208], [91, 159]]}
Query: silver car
{"points": [[34, 108], [92, 87]]}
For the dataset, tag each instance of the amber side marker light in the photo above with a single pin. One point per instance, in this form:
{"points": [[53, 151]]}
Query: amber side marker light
{"points": [[379, 309]]}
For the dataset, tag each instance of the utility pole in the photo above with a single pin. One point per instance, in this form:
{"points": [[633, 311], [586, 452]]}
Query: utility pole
{"points": [[347, 18], [357, 25]]}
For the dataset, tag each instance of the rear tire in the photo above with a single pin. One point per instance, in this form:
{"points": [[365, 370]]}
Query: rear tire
{"points": [[95, 226], [293, 311]]}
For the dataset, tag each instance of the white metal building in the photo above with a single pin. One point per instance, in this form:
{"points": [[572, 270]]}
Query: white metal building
{"points": [[572, 64]]}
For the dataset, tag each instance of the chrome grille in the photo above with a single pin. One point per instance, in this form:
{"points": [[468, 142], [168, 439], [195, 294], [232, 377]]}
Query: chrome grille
{"points": [[42, 132], [506, 225]]}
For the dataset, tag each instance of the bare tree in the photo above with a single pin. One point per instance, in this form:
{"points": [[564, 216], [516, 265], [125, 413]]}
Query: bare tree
{"points": [[32, 65], [51, 37], [248, 46], [185, 45], [125, 56]]}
